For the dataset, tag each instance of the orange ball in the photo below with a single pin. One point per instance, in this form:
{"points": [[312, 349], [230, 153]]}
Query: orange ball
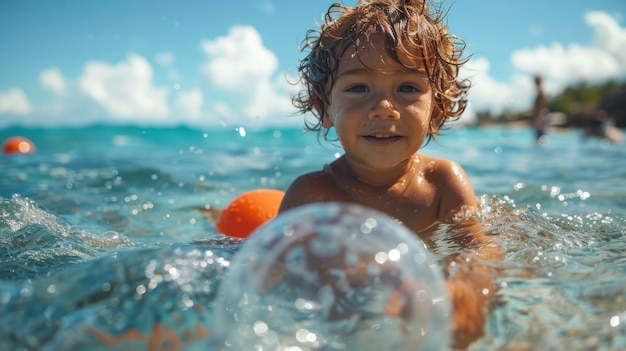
{"points": [[18, 145], [248, 211]]}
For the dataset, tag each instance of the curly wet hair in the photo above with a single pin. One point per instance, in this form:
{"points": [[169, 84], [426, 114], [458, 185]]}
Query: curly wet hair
{"points": [[414, 28]]}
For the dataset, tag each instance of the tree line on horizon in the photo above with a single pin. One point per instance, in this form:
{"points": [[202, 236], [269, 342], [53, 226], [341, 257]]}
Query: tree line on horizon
{"points": [[580, 105]]}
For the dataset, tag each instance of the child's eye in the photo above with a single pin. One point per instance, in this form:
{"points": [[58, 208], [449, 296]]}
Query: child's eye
{"points": [[406, 88], [359, 88]]}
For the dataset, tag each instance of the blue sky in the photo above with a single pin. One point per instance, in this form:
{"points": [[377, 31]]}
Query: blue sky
{"points": [[212, 63]]}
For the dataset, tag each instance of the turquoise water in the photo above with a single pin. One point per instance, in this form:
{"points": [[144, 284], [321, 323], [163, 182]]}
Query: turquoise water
{"points": [[100, 242]]}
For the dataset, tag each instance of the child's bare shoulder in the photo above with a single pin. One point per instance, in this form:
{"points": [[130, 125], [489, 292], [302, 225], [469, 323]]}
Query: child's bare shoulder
{"points": [[453, 186], [440, 169], [307, 188]]}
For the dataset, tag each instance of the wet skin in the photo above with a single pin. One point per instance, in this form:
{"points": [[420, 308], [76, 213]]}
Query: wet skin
{"points": [[382, 113]]}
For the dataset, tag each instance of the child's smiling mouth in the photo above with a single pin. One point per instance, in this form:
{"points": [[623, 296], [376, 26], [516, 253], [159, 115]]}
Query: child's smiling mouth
{"points": [[382, 139]]}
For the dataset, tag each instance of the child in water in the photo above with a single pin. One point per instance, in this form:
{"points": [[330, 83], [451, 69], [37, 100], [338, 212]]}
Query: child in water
{"points": [[384, 74]]}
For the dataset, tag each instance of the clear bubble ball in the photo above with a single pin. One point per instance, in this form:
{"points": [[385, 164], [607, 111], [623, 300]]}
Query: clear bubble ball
{"points": [[333, 277]]}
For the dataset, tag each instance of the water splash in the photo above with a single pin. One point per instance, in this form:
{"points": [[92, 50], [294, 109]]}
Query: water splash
{"points": [[156, 296], [561, 283], [33, 241]]}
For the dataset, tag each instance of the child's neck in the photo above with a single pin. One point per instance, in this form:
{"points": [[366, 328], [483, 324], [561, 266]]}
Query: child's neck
{"points": [[378, 178]]}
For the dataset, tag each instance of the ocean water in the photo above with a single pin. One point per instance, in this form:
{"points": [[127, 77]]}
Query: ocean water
{"points": [[101, 245]]}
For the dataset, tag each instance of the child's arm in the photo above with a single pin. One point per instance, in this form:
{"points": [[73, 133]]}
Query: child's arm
{"points": [[469, 293], [469, 281]]}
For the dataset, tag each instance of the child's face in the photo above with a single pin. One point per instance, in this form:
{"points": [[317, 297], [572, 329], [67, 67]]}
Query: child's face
{"points": [[381, 111]]}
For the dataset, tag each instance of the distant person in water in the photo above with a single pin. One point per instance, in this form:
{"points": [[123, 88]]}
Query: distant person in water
{"points": [[384, 75], [603, 127], [540, 110]]}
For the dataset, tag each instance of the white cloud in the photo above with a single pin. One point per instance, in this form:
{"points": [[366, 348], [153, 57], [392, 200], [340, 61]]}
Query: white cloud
{"points": [[126, 89], [189, 103], [237, 58], [240, 66], [487, 93], [14, 101], [609, 35], [604, 58], [53, 80], [567, 65]]}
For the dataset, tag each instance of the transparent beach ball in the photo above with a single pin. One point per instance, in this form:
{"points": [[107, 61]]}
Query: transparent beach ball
{"points": [[333, 277]]}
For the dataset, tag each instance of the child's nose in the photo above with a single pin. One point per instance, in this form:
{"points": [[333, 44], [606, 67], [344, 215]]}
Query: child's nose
{"points": [[384, 109]]}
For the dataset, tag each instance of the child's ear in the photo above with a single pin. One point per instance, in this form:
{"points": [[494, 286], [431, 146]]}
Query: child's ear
{"points": [[327, 122], [436, 118], [322, 111]]}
